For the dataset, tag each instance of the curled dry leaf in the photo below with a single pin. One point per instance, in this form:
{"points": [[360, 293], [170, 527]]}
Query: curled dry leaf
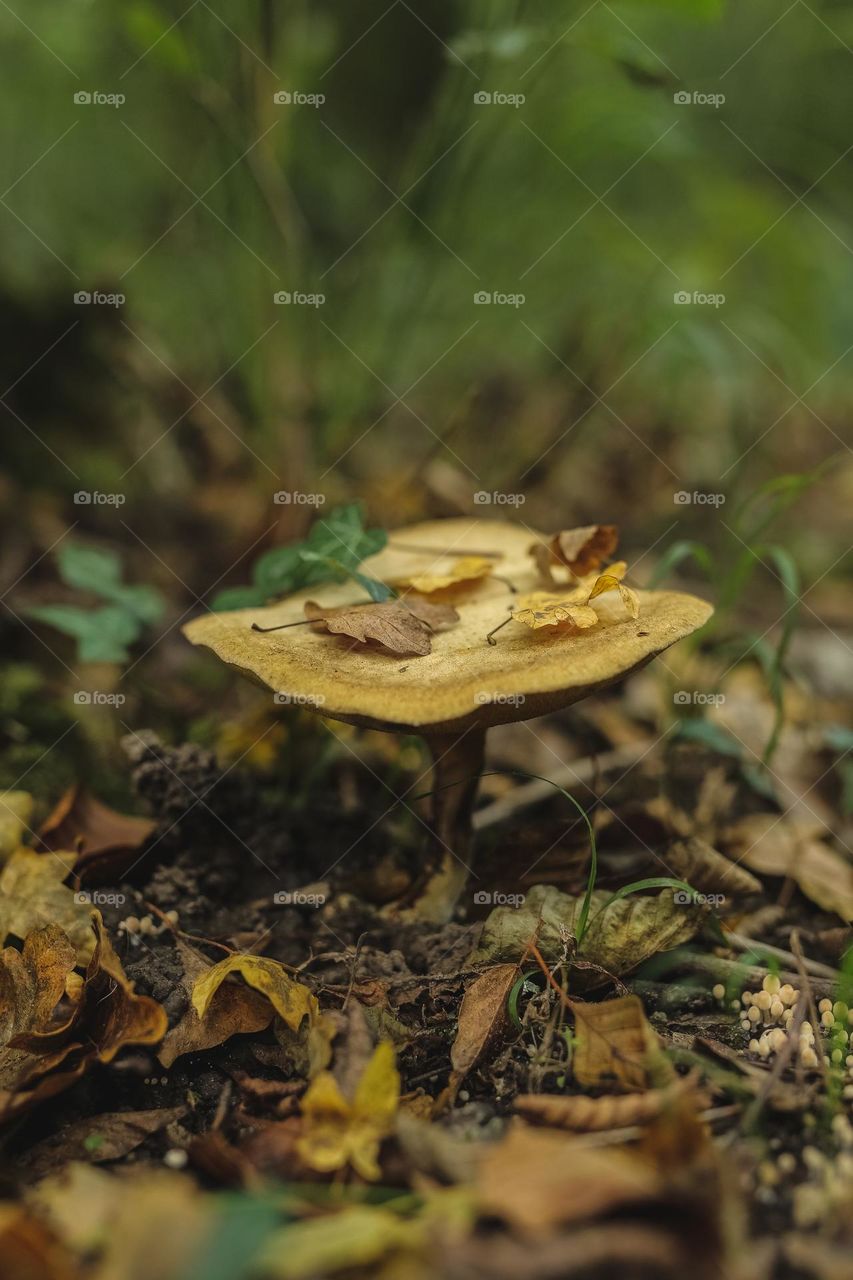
{"points": [[32, 894], [234, 1009], [614, 600], [541, 609], [396, 627], [340, 1131], [32, 981], [98, 1138], [620, 935], [105, 843], [776, 846], [615, 1047], [580, 1114], [461, 573], [291, 1000], [580, 550], [708, 870]]}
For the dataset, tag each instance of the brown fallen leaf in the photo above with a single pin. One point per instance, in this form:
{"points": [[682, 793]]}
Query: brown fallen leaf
{"points": [[483, 1019], [394, 627], [583, 549], [615, 1047], [105, 843], [32, 894], [708, 870], [29, 1250], [295, 1005], [97, 1139], [780, 846], [235, 1009], [32, 981], [580, 1114]]}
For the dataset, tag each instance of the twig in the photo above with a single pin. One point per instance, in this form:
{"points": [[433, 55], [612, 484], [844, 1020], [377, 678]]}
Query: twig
{"points": [[813, 1013], [742, 943]]}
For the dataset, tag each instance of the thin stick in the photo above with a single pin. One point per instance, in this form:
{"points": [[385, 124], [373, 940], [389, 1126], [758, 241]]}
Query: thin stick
{"points": [[495, 630], [445, 551], [740, 942], [813, 1013], [305, 622]]}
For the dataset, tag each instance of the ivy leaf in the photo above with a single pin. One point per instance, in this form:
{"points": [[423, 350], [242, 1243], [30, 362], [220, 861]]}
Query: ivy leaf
{"points": [[102, 635], [238, 598]]}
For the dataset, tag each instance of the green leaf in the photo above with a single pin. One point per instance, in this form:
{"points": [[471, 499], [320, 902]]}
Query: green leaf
{"points": [[238, 598], [89, 568], [102, 635], [708, 734], [676, 554]]}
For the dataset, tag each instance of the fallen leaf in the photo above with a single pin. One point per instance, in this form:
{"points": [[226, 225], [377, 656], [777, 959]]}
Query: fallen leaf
{"points": [[16, 810], [583, 549], [539, 609], [580, 1114], [354, 1237], [780, 846], [32, 981], [291, 1000], [394, 627], [234, 1009], [29, 1251], [97, 1139], [463, 571], [614, 601], [32, 894], [105, 842], [708, 870], [620, 935], [614, 1045], [482, 1018], [340, 1131]]}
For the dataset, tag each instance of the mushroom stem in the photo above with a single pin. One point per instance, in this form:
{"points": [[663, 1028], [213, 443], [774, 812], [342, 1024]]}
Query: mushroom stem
{"points": [[457, 765]]}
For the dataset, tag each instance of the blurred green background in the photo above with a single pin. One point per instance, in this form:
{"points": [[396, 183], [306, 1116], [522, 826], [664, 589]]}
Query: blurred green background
{"points": [[630, 152]]}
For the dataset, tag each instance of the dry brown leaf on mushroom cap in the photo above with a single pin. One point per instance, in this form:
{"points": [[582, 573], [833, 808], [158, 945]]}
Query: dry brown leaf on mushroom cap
{"points": [[580, 550], [443, 690], [402, 627]]}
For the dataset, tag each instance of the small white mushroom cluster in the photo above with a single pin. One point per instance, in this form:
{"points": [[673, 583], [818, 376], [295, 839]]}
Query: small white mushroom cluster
{"points": [[829, 1179], [767, 1015], [135, 925]]}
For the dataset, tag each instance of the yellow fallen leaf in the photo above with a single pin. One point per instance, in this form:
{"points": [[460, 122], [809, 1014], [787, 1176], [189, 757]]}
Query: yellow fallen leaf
{"points": [[340, 1132], [614, 1045], [543, 609], [32, 894], [608, 608], [16, 810], [292, 1001], [464, 570]]}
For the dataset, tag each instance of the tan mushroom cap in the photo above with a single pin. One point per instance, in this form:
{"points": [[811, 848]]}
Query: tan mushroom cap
{"points": [[464, 681]]}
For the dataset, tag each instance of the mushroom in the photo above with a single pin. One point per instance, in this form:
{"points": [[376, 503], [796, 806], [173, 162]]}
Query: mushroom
{"points": [[452, 695]]}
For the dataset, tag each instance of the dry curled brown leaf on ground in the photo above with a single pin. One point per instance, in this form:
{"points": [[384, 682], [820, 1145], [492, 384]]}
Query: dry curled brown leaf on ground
{"points": [[32, 893], [482, 1020], [292, 1001], [234, 1009], [615, 1047], [782, 846], [580, 1114], [97, 1139], [45, 1058], [105, 843], [397, 626]]}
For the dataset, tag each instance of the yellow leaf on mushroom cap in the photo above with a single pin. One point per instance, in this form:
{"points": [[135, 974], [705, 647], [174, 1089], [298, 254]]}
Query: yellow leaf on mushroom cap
{"points": [[608, 610], [464, 570], [340, 1131], [539, 609]]}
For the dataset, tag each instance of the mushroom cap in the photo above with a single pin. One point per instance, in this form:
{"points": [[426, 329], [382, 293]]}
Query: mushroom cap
{"points": [[464, 682]]}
